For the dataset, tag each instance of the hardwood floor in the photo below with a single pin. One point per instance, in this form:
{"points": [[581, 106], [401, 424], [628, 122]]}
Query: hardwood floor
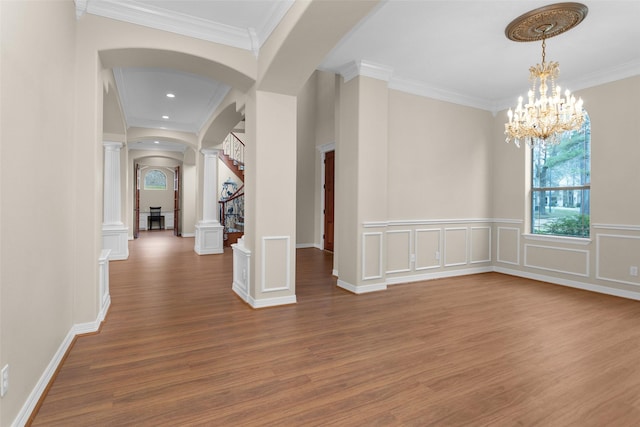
{"points": [[179, 348]]}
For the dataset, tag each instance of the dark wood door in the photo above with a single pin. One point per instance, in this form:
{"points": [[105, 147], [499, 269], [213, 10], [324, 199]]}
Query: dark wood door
{"points": [[136, 207], [329, 179], [176, 201]]}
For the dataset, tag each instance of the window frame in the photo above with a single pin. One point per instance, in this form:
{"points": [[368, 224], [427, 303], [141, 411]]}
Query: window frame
{"points": [[585, 188], [155, 188]]}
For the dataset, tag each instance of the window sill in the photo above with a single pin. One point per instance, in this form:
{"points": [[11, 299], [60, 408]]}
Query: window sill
{"points": [[558, 239]]}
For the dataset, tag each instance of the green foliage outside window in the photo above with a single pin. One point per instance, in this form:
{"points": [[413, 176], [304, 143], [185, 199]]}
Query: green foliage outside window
{"points": [[155, 180], [574, 225], [561, 183]]}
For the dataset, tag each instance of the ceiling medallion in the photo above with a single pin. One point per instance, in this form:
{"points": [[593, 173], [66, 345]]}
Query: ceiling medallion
{"points": [[545, 22], [544, 119]]}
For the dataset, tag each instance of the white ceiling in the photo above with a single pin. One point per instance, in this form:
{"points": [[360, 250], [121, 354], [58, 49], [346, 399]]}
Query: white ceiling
{"points": [[452, 50], [143, 93], [458, 51]]}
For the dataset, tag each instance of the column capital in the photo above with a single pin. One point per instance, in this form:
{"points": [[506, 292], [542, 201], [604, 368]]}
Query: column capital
{"points": [[111, 145], [210, 152]]}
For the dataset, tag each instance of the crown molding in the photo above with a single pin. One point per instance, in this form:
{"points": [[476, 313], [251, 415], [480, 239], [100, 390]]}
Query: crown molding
{"points": [[619, 72], [178, 23], [278, 10], [81, 8], [422, 89], [609, 75], [367, 69], [353, 69], [385, 73], [349, 71]]}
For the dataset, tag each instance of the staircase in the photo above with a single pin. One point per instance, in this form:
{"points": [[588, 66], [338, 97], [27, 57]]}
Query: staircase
{"points": [[233, 154], [232, 203]]}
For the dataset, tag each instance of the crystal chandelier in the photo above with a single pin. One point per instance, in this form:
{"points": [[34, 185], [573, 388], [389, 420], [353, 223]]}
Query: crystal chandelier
{"points": [[542, 120]]}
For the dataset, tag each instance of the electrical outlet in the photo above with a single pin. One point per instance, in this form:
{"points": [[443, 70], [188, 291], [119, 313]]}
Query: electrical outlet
{"points": [[633, 270], [413, 258], [437, 255], [4, 381]]}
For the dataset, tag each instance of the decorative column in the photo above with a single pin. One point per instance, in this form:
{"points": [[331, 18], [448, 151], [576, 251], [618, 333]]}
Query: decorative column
{"points": [[264, 267], [209, 232], [114, 232], [362, 144]]}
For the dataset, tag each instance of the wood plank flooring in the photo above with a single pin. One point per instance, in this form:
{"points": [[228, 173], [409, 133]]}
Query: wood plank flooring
{"points": [[178, 348]]}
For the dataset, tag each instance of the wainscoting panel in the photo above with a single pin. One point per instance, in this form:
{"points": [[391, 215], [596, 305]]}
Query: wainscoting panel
{"points": [[428, 248], [508, 245], [241, 269], [398, 250], [616, 257], [455, 246], [560, 260], [276, 263], [103, 272], [371, 255], [480, 244]]}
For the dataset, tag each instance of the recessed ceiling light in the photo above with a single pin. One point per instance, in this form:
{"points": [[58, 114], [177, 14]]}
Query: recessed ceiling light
{"points": [[171, 95], [165, 117], [156, 142]]}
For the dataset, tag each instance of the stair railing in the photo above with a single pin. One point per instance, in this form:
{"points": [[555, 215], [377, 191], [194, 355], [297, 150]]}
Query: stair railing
{"points": [[232, 212], [234, 148]]}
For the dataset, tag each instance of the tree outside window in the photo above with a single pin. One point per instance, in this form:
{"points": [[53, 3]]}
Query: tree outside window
{"points": [[561, 183], [155, 180]]}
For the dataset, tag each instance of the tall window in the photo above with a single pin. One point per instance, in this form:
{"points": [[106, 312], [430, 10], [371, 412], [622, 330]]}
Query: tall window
{"points": [[155, 180], [561, 181]]}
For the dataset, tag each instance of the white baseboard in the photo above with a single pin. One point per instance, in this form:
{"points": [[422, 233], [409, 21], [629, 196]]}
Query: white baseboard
{"points": [[570, 283], [362, 289], [188, 234], [40, 387], [438, 275], [271, 302], [237, 288], [305, 245], [45, 378]]}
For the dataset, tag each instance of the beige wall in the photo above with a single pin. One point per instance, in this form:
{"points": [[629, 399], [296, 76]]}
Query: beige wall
{"points": [[603, 262], [436, 179], [439, 159], [325, 127], [162, 198], [315, 128], [165, 161], [421, 172], [305, 170], [38, 266], [189, 192]]}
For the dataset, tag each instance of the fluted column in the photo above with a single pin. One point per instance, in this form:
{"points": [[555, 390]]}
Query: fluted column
{"points": [[112, 205], [114, 232], [210, 211], [209, 232]]}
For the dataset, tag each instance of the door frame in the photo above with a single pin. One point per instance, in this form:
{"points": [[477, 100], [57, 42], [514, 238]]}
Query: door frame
{"points": [[324, 149], [136, 201], [176, 201]]}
